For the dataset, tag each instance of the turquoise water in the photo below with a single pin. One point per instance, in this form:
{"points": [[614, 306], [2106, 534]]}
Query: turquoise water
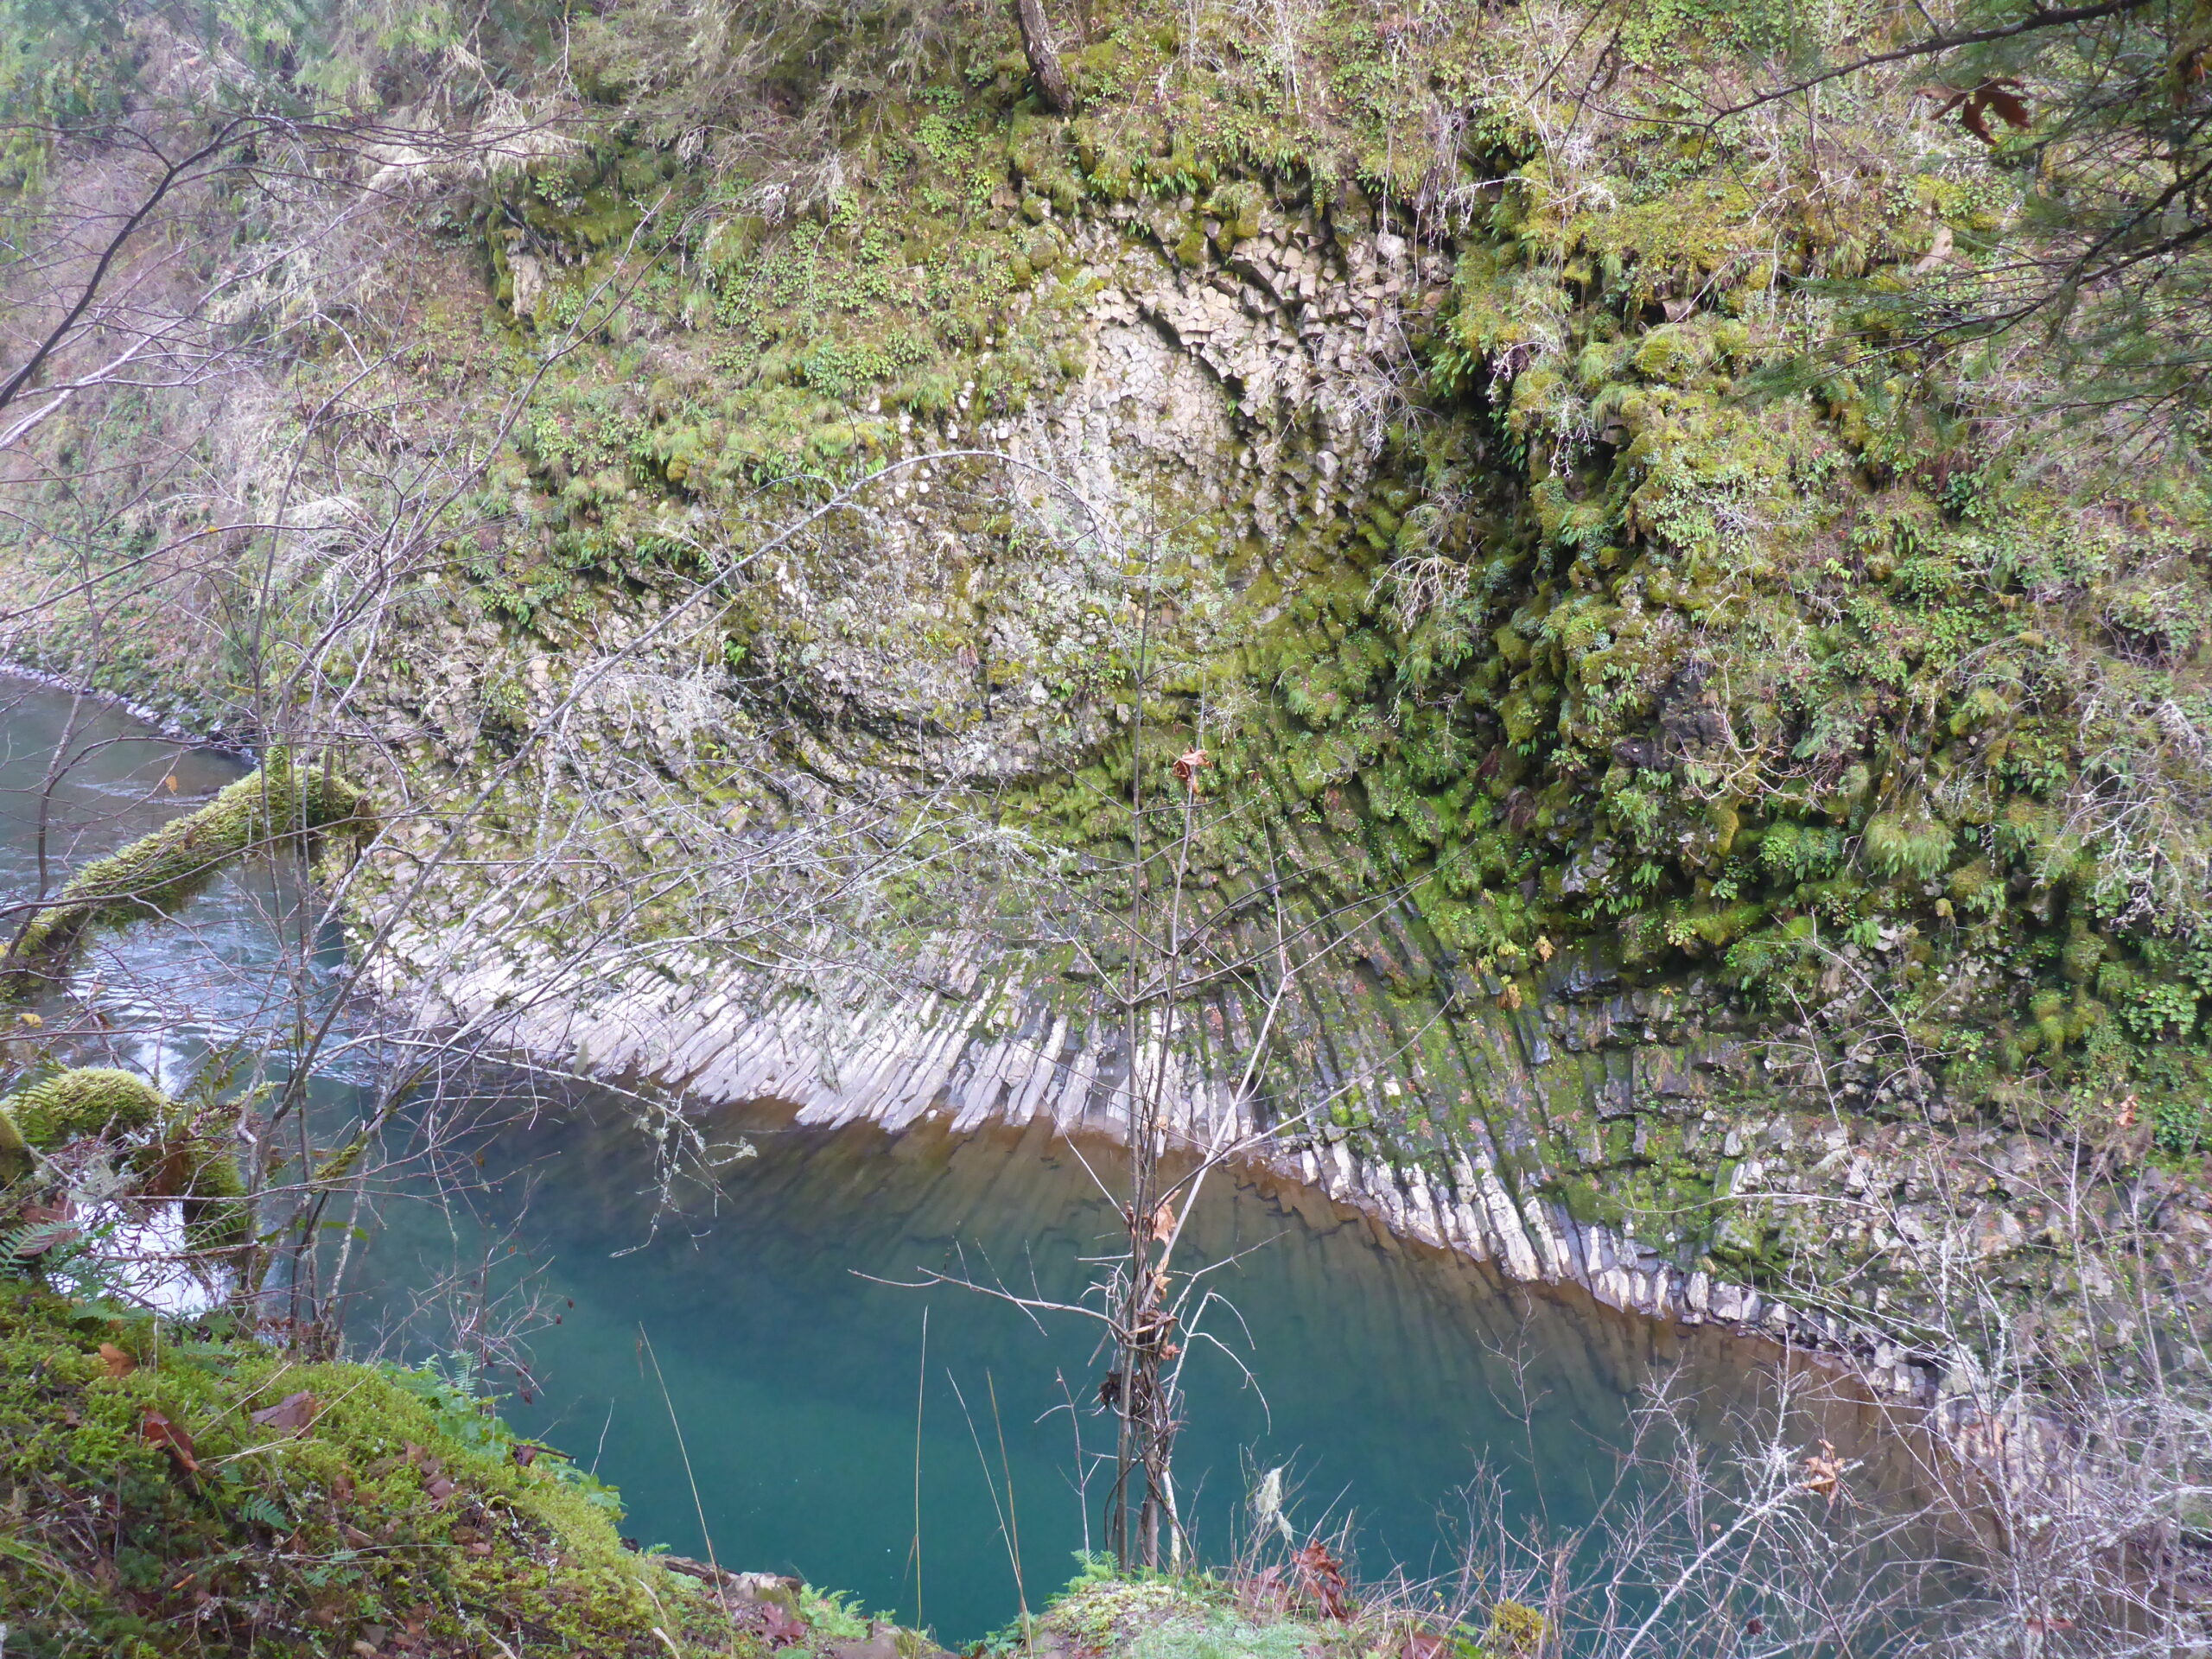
{"points": [[733, 1357], [1383, 1378]]}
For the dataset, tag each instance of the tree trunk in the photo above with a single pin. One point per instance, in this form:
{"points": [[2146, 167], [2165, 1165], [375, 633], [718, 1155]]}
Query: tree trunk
{"points": [[1044, 64]]}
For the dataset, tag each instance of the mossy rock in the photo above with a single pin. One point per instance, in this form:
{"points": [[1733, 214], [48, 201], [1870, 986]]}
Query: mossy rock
{"points": [[198, 1169], [155, 1514], [85, 1100]]}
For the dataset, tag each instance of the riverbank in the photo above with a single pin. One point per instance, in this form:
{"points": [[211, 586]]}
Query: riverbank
{"points": [[190, 1489], [1045, 1124], [181, 721], [1317, 1283], [179, 1489], [973, 1047], [1505, 635]]}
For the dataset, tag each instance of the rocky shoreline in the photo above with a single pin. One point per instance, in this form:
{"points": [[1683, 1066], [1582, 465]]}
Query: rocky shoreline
{"points": [[974, 1053], [178, 727]]}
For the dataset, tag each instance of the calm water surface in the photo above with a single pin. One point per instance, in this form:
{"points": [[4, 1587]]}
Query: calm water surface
{"points": [[1381, 1378], [738, 1366]]}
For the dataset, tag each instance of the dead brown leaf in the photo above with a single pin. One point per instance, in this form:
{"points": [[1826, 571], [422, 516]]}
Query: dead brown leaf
{"points": [[781, 1628], [2000, 96], [160, 1430], [293, 1411], [1321, 1580], [118, 1363], [1824, 1473]]}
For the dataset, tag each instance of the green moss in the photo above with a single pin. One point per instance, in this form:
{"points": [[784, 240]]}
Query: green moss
{"points": [[284, 802], [382, 1502], [173, 1157], [1786, 672], [86, 1100]]}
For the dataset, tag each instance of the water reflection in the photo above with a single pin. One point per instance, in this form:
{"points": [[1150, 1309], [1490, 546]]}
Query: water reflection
{"points": [[1383, 1377], [753, 1315]]}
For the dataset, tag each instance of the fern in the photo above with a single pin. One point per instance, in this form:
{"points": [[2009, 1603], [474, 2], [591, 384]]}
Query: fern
{"points": [[465, 1413], [27, 1249], [260, 1509]]}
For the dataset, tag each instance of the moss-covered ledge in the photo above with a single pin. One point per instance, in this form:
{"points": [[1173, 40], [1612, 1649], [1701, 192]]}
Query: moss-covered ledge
{"points": [[171, 1489]]}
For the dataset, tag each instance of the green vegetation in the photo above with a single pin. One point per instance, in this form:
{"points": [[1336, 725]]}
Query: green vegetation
{"points": [[286, 803], [190, 1485], [190, 1490], [1300, 1606], [1697, 598], [1693, 667], [176, 1155]]}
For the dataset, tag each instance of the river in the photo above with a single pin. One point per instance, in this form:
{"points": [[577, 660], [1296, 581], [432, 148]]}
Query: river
{"points": [[746, 1360]]}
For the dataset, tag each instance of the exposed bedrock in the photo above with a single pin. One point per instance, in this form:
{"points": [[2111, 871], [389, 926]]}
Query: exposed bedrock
{"points": [[1646, 1041], [1734, 864], [1543, 1030]]}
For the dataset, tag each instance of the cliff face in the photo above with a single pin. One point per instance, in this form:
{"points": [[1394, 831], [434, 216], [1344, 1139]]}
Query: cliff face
{"points": [[1699, 786]]}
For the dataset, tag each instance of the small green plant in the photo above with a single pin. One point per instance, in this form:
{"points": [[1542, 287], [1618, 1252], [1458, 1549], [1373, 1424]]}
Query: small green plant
{"points": [[836, 1616], [1514, 1628], [452, 1388], [1909, 843], [2183, 1126]]}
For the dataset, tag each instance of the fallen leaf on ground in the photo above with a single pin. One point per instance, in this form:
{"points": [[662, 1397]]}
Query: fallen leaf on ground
{"points": [[1321, 1576], [293, 1411], [782, 1629], [118, 1363], [160, 1430]]}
